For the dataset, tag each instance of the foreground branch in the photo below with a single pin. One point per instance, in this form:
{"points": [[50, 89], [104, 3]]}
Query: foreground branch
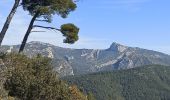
{"points": [[47, 27], [42, 20]]}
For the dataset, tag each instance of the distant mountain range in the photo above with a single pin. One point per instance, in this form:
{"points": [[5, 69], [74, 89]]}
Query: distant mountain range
{"points": [[82, 61]]}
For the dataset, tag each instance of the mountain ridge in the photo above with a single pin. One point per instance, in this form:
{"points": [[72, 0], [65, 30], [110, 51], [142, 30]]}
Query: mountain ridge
{"points": [[109, 47], [69, 61]]}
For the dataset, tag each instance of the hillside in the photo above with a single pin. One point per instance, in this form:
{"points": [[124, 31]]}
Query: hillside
{"points": [[84, 61], [144, 83]]}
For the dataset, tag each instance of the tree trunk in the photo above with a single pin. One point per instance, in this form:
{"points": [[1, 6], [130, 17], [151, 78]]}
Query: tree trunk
{"points": [[28, 33], [8, 20]]}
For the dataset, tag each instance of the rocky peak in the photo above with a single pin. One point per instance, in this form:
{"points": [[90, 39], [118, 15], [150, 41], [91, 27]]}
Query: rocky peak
{"points": [[38, 43], [117, 47]]}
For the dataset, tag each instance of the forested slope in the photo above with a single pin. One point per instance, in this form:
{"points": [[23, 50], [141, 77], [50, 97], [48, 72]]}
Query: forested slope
{"points": [[144, 83]]}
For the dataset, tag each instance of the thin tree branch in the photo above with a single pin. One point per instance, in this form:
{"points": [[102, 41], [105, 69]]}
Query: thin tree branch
{"points": [[41, 20], [46, 27]]}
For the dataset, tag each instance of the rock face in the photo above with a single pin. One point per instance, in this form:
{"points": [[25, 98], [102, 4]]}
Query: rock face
{"points": [[82, 61]]}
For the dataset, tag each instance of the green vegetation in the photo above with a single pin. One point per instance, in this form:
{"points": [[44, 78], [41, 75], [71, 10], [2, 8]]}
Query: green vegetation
{"points": [[33, 79], [90, 96], [144, 83]]}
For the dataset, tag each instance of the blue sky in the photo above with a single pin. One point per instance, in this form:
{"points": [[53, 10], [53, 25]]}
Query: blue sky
{"points": [[136, 23]]}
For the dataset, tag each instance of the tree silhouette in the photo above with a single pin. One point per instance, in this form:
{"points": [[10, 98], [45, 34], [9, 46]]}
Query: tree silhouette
{"points": [[43, 10]]}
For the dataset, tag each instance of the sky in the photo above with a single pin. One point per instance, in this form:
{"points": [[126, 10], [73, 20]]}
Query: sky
{"points": [[135, 23]]}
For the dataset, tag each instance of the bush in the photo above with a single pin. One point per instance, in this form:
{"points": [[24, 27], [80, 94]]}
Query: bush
{"points": [[35, 79]]}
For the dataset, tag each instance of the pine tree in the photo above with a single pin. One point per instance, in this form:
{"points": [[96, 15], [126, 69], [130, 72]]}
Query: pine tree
{"points": [[43, 10]]}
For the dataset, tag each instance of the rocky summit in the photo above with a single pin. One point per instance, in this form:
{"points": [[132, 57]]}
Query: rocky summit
{"points": [[68, 61]]}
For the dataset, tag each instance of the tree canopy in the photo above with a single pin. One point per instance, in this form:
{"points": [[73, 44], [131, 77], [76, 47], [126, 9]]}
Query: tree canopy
{"points": [[70, 31], [48, 7]]}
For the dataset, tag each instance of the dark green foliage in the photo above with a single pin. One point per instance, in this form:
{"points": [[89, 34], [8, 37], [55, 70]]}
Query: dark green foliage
{"points": [[35, 79], [2, 55], [3, 93], [70, 31], [145, 83], [47, 8]]}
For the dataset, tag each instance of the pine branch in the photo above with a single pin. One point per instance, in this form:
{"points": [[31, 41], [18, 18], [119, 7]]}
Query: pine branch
{"points": [[46, 27], [42, 20]]}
